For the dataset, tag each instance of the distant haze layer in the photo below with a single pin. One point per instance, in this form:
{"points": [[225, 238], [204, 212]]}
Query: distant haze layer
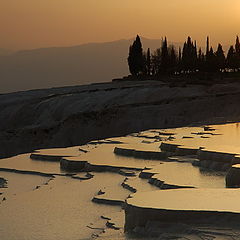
{"points": [[29, 24], [67, 66]]}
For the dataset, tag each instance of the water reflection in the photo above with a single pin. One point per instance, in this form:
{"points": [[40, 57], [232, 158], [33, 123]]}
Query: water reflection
{"points": [[184, 174], [225, 138], [63, 208]]}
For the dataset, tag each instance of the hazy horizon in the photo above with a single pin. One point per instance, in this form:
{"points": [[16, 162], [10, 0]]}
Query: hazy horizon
{"points": [[93, 43], [28, 24], [7, 51]]}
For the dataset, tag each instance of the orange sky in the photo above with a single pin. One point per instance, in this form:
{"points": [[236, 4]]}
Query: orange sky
{"points": [[26, 24]]}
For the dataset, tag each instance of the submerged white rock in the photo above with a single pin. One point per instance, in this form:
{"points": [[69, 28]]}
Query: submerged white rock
{"points": [[184, 205]]}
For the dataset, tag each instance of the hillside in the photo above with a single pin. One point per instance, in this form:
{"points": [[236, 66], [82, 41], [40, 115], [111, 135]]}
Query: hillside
{"points": [[66, 66], [70, 116]]}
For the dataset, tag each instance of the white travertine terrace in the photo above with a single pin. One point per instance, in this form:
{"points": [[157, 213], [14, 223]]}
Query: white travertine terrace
{"points": [[183, 205], [150, 160]]}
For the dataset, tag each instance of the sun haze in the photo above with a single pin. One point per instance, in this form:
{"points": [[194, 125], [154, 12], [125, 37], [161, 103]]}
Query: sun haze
{"points": [[30, 24]]}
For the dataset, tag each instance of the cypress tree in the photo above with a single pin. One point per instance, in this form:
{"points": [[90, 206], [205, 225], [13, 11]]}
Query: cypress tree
{"points": [[185, 57], [237, 45], [231, 59], [156, 62], [189, 55], [207, 60], [172, 60], [195, 56], [212, 61], [131, 60], [144, 71], [164, 56], [148, 62], [207, 47], [200, 60], [179, 54], [135, 58], [179, 62], [237, 52], [220, 58]]}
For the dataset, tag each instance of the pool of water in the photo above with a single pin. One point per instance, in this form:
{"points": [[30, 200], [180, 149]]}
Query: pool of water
{"points": [[23, 162], [222, 138], [62, 208], [185, 174], [222, 200]]}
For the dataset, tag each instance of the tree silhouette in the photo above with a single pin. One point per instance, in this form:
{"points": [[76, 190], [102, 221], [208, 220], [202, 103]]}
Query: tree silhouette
{"points": [[188, 60], [156, 62], [179, 54], [237, 45], [208, 58], [135, 58], [220, 58], [237, 52], [212, 61], [172, 60], [200, 60], [207, 48], [189, 56], [148, 63], [232, 59], [164, 56]]}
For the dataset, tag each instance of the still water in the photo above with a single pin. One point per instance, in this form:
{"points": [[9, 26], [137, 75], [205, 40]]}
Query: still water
{"points": [[37, 207]]}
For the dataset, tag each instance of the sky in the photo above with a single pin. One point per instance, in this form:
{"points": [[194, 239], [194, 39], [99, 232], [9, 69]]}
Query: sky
{"points": [[28, 24]]}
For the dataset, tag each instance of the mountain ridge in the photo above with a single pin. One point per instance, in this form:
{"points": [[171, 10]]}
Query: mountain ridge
{"points": [[67, 66]]}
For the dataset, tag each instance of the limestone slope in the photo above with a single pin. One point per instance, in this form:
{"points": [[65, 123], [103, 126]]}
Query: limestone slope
{"points": [[68, 116]]}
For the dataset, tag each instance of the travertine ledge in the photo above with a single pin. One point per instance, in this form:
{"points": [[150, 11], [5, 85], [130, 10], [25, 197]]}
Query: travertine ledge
{"points": [[184, 205], [233, 176], [140, 154], [78, 166], [43, 157]]}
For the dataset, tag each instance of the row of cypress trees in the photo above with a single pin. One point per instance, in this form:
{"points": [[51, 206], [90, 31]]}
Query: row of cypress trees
{"points": [[189, 59]]}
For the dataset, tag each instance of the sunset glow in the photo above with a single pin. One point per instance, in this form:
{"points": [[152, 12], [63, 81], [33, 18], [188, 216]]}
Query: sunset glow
{"points": [[32, 24]]}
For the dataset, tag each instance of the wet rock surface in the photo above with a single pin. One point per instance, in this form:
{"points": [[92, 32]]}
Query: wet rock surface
{"points": [[151, 212], [70, 116], [140, 154], [233, 176], [95, 185], [3, 182]]}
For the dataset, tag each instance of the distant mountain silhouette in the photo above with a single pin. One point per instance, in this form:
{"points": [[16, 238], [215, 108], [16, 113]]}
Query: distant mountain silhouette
{"points": [[65, 66]]}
